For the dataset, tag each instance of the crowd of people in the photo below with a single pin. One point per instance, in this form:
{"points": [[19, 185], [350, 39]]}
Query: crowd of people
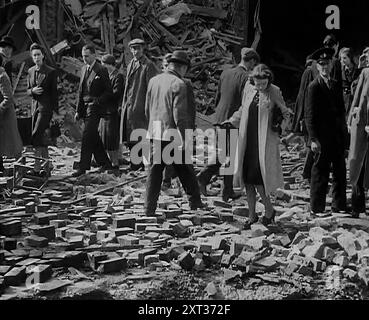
{"points": [[330, 112]]}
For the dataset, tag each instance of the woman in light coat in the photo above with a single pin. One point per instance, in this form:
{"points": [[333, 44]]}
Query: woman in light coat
{"points": [[10, 140], [358, 160], [258, 164]]}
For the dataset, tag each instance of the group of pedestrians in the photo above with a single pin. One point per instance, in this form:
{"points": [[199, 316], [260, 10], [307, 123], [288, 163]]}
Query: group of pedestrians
{"points": [[330, 112]]}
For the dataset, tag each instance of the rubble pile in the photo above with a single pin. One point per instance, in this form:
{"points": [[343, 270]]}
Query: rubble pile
{"points": [[206, 30], [87, 230]]}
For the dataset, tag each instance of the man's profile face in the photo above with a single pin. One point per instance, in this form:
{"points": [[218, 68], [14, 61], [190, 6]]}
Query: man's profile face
{"points": [[324, 67], [7, 51], [137, 51], [88, 56]]}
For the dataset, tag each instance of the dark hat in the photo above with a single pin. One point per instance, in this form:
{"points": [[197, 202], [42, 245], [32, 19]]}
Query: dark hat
{"points": [[249, 53], [7, 41], [179, 56], [108, 59], [323, 54], [136, 41], [330, 40]]}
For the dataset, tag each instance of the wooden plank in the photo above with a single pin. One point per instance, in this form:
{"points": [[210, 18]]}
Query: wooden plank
{"points": [[165, 32], [106, 32], [123, 13], [111, 29], [18, 77], [207, 11]]}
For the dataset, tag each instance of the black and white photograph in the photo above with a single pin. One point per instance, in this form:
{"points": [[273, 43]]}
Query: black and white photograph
{"points": [[184, 157]]}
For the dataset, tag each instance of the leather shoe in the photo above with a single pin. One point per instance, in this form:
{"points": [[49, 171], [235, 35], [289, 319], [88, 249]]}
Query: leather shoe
{"points": [[78, 173], [232, 196], [200, 205]]}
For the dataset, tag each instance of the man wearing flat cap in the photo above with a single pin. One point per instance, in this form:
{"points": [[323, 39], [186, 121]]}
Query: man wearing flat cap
{"points": [[7, 48], [228, 100], [139, 72], [326, 127], [167, 108]]}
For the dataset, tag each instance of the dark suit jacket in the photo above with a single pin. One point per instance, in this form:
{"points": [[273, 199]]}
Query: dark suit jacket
{"points": [[99, 91], [117, 83], [47, 78], [325, 114], [298, 122], [229, 94]]}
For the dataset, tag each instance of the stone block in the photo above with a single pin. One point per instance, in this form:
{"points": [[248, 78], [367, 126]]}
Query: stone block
{"points": [[11, 228], [10, 244], [122, 231], [186, 261], [41, 219], [15, 277], [95, 257], [41, 273], [128, 241], [314, 251], [121, 222], [112, 265], [35, 241], [47, 232], [149, 259]]}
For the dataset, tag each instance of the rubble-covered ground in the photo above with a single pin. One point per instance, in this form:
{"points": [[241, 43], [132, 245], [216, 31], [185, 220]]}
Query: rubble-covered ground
{"points": [[70, 241]]}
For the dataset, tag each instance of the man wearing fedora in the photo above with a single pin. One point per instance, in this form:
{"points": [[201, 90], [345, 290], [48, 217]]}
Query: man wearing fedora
{"points": [[228, 100], [326, 126], [7, 48], [167, 108], [139, 72]]}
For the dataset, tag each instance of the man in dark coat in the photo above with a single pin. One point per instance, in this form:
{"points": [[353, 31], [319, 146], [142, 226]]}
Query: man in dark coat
{"points": [[7, 48], [169, 117], [94, 94], [325, 124], [139, 72], [228, 100], [330, 41], [298, 121], [42, 87], [109, 125]]}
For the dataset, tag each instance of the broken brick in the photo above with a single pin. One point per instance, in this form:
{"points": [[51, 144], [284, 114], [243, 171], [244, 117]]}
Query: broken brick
{"points": [[122, 222], [347, 243], [128, 241], [149, 259], [41, 219], [30, 207], [314, 251], [45, 231], [10, 244], [35, 241], [15, 277], [95, 257], [41, 273], [112, 265], [11, 228], [122, 231], [186, 261]]}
